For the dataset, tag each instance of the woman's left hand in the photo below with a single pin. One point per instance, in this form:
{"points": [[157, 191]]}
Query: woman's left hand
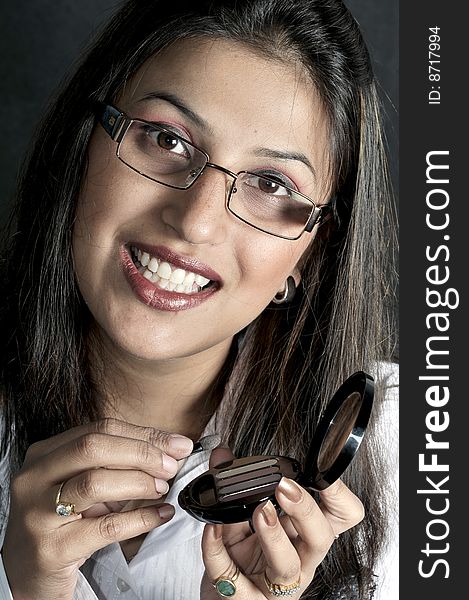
{"points": [[286, 549]]}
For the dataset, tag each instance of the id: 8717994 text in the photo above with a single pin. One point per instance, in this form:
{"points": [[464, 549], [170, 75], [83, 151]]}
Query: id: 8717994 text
{"points": [[434, 60]]}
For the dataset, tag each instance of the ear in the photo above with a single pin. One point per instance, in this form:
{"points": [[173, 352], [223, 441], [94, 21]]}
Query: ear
{"points": [[285, 294], [296, 274]]}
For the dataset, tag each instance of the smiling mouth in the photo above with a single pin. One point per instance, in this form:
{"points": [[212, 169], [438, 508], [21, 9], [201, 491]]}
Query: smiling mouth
{"points": [[167, 276]]}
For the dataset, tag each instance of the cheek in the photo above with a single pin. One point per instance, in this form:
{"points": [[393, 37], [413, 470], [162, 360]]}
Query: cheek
{"points": [[107, 201], [88, 230], [83, 242], [93, 238], [266, 266], [107, 185]]}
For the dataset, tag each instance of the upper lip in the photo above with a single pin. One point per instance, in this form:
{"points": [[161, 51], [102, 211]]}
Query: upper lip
{"points": [[188, 263]]}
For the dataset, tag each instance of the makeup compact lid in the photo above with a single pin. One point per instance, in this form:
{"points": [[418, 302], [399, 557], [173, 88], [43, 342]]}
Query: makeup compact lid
{"points": [[339, 432]]}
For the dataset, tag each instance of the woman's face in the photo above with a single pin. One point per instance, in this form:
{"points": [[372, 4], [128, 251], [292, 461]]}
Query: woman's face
{"points": [[247, 113]]}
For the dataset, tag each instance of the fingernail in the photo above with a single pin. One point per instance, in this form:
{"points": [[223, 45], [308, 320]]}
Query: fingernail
{"points": [[169, 464], [166, 511], [161, 486], [180, 443], [290, 490], [270, 514], [217, 531]]}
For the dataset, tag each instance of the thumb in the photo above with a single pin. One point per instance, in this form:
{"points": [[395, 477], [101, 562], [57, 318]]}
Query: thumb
{"points": [[341, 507], [220, 455]]}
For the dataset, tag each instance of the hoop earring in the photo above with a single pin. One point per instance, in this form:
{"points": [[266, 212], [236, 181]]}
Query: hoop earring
{"points": [[288, 293]]}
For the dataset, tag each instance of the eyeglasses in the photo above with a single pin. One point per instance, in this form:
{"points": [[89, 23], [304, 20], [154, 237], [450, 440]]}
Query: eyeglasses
{"points": [[159, 154]]}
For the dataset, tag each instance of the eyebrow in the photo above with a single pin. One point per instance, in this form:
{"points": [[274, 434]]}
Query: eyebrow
{"points": [[285, 155], [178, 103]]}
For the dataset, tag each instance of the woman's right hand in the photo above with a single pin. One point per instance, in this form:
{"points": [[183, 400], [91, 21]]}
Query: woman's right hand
{"points": [[104, 464]]}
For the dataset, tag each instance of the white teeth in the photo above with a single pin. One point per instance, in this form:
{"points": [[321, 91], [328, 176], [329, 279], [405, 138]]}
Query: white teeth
{"points": [[153, 265], [177, 276], [201, 280], [189, 279], [167, 276], [164, 270]]}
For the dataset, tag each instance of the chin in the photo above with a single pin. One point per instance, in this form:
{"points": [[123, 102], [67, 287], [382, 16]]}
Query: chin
{"points": [[157, 346]]}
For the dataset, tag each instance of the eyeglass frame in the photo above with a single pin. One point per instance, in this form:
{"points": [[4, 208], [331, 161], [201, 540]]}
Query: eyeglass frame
{"points": [[116, 124]]}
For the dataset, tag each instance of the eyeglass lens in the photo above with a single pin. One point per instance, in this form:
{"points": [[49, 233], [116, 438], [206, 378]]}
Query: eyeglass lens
{"points": [[166, 158]]}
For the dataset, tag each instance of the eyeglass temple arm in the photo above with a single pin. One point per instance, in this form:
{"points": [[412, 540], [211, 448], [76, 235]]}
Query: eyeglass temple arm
{"points": [[110, 118], [319, 215]]}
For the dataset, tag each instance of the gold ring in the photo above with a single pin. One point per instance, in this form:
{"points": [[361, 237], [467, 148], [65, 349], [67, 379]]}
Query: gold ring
{"points": [[62, 508], [225, 585], [277, 589]]}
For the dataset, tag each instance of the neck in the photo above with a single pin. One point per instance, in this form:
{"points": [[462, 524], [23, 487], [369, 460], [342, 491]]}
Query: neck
{"points": [[171, 395]]}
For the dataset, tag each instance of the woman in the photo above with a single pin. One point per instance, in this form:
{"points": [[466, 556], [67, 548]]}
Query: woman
{"points": [[203, 164]]}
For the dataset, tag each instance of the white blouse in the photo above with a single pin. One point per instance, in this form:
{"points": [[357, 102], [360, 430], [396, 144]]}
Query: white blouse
{"points": [[168, 565]]}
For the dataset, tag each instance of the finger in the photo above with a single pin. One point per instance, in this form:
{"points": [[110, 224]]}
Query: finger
{"points": [[95, 450], [341, 507], [288, 527], [175, 445], [283, 561], [81, 538], [315, 532], [218, 562], [236, 532], [101, 486]]}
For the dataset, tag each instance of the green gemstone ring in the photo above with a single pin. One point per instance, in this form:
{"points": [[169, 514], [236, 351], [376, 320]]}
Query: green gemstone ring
{"points": [[225, 585]]}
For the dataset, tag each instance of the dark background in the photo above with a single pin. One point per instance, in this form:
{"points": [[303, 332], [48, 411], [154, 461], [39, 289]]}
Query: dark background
{"points": [[41, 39], [425, 128]]}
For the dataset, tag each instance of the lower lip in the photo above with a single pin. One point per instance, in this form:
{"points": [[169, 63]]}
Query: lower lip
{"points": [[156, 297]]}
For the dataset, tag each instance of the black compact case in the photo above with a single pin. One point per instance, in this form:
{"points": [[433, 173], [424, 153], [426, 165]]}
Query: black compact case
{"points": [[230, 492]]}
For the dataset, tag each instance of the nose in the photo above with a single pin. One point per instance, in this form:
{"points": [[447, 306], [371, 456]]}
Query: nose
{"points": [[199, 214]]}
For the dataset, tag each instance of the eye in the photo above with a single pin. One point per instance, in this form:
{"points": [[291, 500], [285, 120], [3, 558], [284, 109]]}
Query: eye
{"points": [[275, 185], [168, 141], [270, 187]]}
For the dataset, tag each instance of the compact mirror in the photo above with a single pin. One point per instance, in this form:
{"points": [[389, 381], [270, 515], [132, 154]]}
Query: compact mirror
{"points": [[230, 492], [339, 431]]}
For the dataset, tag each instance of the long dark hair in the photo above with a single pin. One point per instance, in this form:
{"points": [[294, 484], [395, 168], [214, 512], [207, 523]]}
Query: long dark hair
{"points": [[291, 360]]}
